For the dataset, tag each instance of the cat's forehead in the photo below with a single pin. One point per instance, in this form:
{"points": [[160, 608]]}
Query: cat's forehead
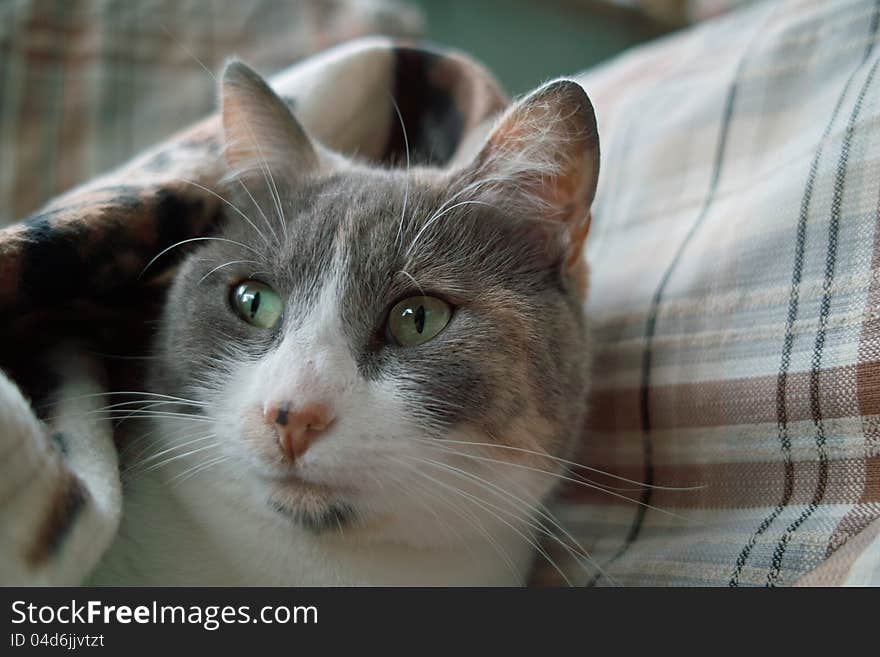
{"points": [[352, 207], [379, 231], [368, 216], [370, 202]]}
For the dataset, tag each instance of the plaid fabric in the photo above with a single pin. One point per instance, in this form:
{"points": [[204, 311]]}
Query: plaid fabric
{"points": [[735, 285], [86, 84], [735, 260]]}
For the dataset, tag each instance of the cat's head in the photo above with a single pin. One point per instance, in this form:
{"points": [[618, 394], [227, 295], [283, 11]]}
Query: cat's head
{"points": [[400, 350]]}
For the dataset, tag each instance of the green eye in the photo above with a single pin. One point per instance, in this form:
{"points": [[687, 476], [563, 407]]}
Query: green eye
{"points": [[257, 304], [416, 320]]}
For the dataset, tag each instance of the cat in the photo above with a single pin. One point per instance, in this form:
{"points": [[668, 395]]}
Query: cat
{"points": [[369, 376]]}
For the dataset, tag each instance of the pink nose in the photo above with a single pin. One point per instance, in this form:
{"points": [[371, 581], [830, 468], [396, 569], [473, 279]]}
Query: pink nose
{"points": [[297, 429]]}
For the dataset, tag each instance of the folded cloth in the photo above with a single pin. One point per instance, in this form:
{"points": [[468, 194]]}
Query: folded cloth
{"points": [[81, 283]]}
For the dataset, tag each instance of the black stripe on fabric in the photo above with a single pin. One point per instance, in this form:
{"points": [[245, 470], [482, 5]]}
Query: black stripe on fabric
{"points": [[815, 410], [651, 324], [793, 304]]}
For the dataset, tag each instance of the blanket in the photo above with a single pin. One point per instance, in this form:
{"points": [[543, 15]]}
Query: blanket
{"points": [[735, 259]]}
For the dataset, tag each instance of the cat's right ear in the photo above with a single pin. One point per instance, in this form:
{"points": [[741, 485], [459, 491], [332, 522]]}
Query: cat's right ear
{"points": [[259, 128]]}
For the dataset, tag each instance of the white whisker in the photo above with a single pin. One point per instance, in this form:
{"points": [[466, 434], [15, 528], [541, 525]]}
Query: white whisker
{"points": [[472, 519], [234, 207], [415, 282], [573, 464], [488, 508], [577, 552], [226, 264], [201, 467], [436, 216], [176, 457], [579, 482], [186, 441], [399, 239], [196, 239], [260, 209]]}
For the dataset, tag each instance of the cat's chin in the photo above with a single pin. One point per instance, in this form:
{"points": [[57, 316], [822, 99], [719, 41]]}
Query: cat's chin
{"points": [[318, 508]]}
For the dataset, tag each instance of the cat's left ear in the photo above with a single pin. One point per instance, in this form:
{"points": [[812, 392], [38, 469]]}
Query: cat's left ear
{"points": [[259, 128], [543, 158]]}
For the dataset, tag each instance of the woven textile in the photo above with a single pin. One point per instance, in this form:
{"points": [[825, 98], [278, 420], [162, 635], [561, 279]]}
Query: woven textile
{"points": [[86, 84], [734, 298]]}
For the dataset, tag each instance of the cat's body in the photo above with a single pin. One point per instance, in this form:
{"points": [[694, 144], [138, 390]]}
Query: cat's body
{"points": [[369, 377]]}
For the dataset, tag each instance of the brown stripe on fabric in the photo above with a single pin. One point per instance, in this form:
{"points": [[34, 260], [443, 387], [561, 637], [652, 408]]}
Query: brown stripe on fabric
{"points": [[793, 309], [863, 513], [748, 443], [95, 53], [27, 134], [63, 29], [647, 404], [840, 178], [868, 387], [834, 571], [63, 509], [70, 166], [867, 506], [727, 485], [53, 103], [734, 402]]}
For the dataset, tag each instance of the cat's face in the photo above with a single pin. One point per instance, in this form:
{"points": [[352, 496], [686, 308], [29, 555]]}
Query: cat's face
{"points": [[389, 349]]}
